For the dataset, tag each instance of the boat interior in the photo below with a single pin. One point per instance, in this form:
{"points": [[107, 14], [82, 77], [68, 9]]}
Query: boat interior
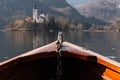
{"points": [[45, 69]]}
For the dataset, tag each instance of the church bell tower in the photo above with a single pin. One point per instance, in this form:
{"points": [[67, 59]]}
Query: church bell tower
{"points": [[35, 13]]}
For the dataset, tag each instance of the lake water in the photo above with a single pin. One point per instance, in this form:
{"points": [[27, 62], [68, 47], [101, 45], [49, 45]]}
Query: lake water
{"points": [[13, 43]]}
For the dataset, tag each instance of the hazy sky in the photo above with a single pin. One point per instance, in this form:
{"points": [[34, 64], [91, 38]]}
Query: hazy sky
{"points": [[75, 2]]}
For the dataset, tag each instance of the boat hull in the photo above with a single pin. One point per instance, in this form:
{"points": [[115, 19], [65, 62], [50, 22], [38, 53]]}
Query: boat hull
{"points": [[78, 64]]}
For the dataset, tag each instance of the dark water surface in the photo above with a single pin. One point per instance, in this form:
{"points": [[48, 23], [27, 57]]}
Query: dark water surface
{"points": [[13, 43]]}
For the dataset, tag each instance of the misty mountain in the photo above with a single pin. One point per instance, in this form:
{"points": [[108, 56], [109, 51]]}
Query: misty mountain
{"points": [[105, 10]]}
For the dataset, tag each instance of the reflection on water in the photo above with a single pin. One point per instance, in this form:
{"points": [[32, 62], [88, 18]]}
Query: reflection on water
{"points": [[15, 42]]}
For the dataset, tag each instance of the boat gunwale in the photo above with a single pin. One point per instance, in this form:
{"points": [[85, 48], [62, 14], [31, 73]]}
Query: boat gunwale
{"points": [[111, 64]]}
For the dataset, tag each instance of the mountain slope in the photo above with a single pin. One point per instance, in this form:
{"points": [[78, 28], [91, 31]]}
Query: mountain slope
{"points": [[105, 10], [12, 9]]}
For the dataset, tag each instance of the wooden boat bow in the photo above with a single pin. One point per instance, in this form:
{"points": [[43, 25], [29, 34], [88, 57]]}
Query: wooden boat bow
{"points": [[77, 63]]}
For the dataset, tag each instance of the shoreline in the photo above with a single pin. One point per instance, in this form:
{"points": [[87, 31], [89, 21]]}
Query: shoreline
{"points": [[3, 30]]}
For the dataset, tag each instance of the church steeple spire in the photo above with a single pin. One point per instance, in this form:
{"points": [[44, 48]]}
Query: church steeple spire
{"points": [[35, 6]]}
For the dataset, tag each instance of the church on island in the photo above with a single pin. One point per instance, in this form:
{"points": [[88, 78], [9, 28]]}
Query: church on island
{"points": [[35, 22], [38, 19]]}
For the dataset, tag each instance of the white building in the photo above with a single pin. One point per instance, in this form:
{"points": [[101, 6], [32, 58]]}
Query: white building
{"points": [[41, 17], [35, 14], [37, 19]]}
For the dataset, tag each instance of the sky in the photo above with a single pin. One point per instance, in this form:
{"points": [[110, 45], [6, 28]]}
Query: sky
{"points": [[75, 2], [118, 6]]}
